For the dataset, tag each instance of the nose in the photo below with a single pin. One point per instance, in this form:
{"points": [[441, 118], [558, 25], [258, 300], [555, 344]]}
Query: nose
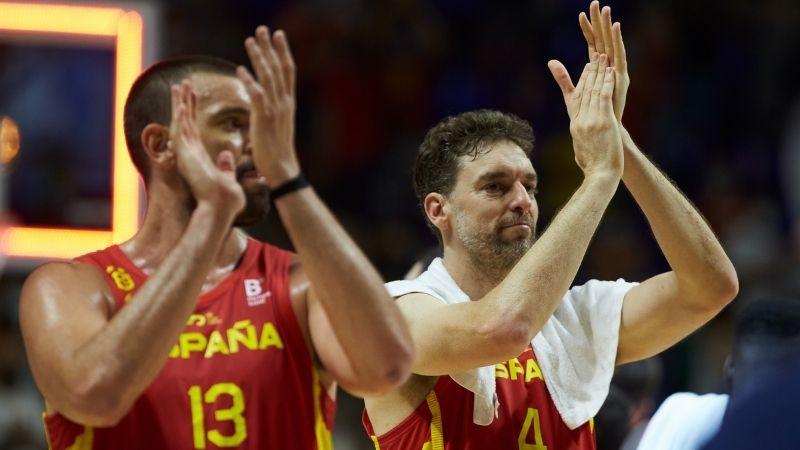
{"points": [[247, 147], [521, 201]]}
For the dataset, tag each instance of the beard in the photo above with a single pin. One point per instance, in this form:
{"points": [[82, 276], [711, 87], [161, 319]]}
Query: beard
{"points": [[488, 250], [256, 198]]}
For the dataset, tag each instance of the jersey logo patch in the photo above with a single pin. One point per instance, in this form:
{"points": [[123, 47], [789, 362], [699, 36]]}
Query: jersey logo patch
{"points": [[255, 292]]}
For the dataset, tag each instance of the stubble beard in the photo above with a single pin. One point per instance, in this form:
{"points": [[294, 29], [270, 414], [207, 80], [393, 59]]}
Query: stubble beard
{"points": [[488, 252], [255, 209]]}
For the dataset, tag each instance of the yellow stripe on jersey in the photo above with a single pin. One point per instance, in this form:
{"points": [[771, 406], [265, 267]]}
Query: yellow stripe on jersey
{"points": [[46, 435], [85, 441], [375, 441], [437, 439], [321, 430]]}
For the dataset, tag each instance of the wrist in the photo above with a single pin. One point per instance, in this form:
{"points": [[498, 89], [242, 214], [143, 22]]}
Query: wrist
{"points": [[627, 141], [289, 186], [280, 174], [211, 214], [600, 178]]}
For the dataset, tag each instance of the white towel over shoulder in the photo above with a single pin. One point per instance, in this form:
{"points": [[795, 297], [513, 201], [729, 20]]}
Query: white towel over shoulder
{"points": [[576, 348]]}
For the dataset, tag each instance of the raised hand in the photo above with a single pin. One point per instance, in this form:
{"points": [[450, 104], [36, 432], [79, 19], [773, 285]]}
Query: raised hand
{"points": [[594, 128], [209, 182], [604, 37], [272, 93]]}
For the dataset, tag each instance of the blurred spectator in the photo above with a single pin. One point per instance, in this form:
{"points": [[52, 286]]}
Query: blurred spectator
{"points": [[766, 416], [766, 336], [621, 421], [20, 407]]}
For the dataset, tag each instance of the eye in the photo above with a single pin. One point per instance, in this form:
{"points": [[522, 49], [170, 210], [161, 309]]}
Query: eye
{"points": [[493, 188], [232, 124], [532, 189]]}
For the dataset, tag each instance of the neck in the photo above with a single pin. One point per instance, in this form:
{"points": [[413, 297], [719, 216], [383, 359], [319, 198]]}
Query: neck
{"points": [[473, 277], [164, 225]]}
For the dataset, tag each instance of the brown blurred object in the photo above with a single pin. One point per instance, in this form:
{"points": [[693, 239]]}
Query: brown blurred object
{"points": [[9, 140]]}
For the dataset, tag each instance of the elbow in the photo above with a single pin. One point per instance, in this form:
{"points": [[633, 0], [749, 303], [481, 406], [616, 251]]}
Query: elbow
{"points": [[509, 337], [96, 405], [717, 291], [726, 287], [387, 375]]}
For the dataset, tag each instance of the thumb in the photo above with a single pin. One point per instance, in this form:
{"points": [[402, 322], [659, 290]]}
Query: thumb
{"points": [[561, 76]]}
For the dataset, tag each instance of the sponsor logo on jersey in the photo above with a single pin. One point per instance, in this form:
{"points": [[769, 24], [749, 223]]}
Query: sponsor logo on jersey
{"points": [[123, 280], [254, 291]]}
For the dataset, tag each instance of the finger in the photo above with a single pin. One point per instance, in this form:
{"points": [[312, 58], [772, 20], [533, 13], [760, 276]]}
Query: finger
{"points": [[582, 80], [621, 58], [192, 103], [271, 57], [588, 34], [573, 100], [586, 92], [190, 113], [260, 67], [254, 89], [561, 76], [225, 163], [594, 13], [606, 29], [607, 90], [602, 65], [287, 61], [186, 94], [175, 95]]}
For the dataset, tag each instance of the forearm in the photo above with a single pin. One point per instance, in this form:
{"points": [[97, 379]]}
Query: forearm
{"points": [[126, 355], [688, 243], [531, 292], [366, 321]]}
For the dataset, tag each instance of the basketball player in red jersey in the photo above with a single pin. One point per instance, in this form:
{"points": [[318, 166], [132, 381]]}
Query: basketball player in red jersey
{"points": [[191, 335], [507, 355]]}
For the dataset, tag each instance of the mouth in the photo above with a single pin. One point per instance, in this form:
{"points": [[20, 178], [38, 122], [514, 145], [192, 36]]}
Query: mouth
{"points": [[248, 171], [516, 225]]}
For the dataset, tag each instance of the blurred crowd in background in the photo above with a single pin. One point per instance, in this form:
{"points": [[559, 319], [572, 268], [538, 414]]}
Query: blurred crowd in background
{"points": [[714, 101]]}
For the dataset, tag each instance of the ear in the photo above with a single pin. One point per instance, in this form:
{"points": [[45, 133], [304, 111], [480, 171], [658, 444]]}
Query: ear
{"points": [[436, 210], [155, 139]]}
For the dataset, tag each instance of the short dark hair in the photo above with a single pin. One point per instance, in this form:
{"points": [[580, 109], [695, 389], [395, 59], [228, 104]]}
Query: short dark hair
{"points": [[469, 133], [768, 327], [149, 99]]}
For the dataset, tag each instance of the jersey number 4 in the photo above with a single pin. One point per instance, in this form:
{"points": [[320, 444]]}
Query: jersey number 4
{"points": [[234, 414], [531, 420]]}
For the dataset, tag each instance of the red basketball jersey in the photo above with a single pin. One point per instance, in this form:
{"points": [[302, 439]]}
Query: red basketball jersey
{"points": [[527, 417], [240, 375]]}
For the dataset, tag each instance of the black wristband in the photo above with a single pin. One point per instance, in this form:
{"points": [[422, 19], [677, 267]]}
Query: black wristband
{"points": [[296, 183]]}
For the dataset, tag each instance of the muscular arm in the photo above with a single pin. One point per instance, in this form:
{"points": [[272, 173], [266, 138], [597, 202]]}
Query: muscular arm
{"points": [[90, 366], [667, 307], [662, 310], [356, 329], [454, 338]]}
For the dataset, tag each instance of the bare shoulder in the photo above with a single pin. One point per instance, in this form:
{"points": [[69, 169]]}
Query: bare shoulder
{"points": [[61, 286]]}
